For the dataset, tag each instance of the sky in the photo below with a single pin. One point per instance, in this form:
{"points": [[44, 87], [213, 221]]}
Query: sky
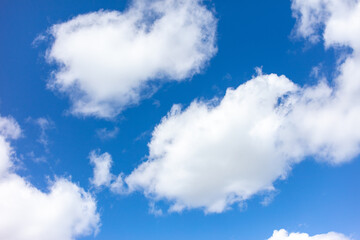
{"points": [[180, 119]]}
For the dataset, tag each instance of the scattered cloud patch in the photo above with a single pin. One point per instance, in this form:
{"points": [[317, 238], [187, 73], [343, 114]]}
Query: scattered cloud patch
{"points": [[219, 152], [109, 60], [154, 210], [284, 235], [45, 124], [268, 198], [64, 212], [9, 128], [117, 186], [36, 159], [102, 164], [106, 134], [102, 176], [338, 20]]}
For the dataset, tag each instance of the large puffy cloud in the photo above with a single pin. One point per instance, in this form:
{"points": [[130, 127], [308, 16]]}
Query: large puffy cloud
{"points": [[284, 235], [64, 212], [109, 60], [215, 153], [211, 155]]}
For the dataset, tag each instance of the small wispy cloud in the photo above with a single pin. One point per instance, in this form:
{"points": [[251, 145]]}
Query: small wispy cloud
{"points": [[227, 76], [44, 124], [154, 210], [35, 158], [24, 206], [269, 198], [106, 134], [143, 136]]}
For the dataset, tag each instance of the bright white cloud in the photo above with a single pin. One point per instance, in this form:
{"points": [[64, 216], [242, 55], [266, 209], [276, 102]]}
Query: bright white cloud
{"points": [[284, 235], [339, 20], [9, 129], [219, 152], [331, 113], [102, 176], [105, 134], [65, 212], [102, 164], [211, 155], [109, 60]]}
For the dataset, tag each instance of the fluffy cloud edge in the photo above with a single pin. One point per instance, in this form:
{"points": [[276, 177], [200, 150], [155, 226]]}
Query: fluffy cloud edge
{"points": [[102, 176], [65, 212], [99, 54], [282, 234]]}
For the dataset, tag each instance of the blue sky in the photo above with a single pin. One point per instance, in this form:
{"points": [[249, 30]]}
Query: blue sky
{"points": [[315, 190]]}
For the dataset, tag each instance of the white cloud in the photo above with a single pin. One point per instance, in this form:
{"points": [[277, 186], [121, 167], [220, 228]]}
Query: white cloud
{"points": [[213, 154], [222, 151], [117, 185], [108, 60], [9, 128], [332, 112], [102, 176], [333, 16], [284, 235], [65, 212], [102, 164], [155, 210]]}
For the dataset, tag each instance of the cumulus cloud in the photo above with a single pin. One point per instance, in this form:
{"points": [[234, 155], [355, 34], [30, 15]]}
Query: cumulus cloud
{"points": [[339, 20], [213, 154], [102, 176], [284, 235], [64, 212], [108, 60], [218, 152]]}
